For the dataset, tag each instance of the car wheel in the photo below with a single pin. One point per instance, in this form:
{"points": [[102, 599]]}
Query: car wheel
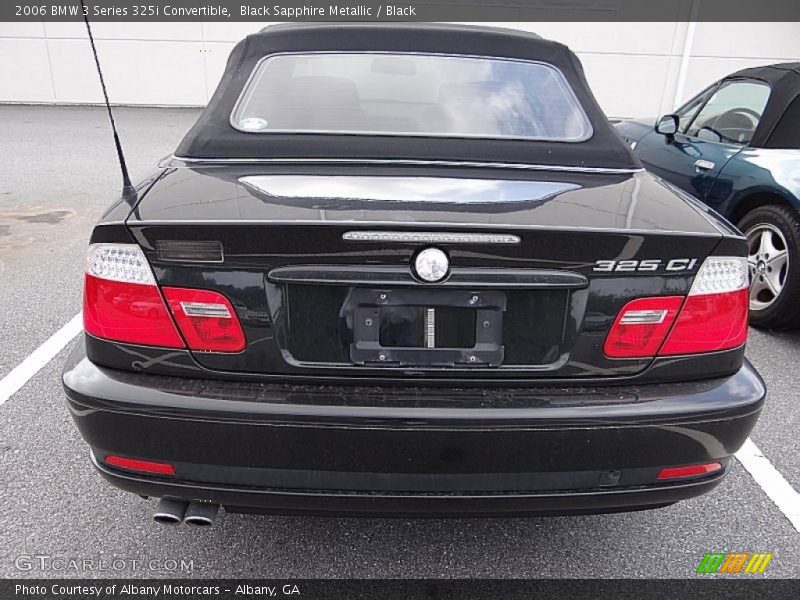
{"points": [[773, 240]]}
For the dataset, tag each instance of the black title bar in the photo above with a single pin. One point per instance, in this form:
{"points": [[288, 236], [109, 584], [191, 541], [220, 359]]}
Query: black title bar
{"points": [[403, 10], [741, 588]]}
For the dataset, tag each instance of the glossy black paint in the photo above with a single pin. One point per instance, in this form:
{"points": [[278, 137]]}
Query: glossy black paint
{"points": [[181, 363], [377, 276], [411, 449], [610, 216], [261, 500], [211, 192], [296, 423]]}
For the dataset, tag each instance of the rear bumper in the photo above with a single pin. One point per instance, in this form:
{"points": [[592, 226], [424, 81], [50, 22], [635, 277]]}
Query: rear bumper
{"points": [[419, 504], [411, 451]]}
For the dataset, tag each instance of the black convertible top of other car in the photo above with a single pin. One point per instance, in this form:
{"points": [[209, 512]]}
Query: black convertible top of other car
{"points": [[784, 80], [213, 137]]}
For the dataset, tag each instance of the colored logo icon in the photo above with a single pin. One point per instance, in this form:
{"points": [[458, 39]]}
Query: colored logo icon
{"points": [[734, 562]]}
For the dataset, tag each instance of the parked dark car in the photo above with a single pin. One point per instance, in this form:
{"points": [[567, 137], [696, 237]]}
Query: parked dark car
{"points": [[736, 147], [410, 269]]}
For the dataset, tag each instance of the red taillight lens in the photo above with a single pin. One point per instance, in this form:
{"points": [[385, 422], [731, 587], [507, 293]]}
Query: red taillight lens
{"points": [[710, 322], [641, 326], [121, 301], [143, 466], [206, 320], [712, 317], [690, 471]]}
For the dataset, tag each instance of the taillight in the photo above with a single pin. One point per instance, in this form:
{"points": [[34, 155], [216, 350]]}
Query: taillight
{"points": [[712, 317], [121, 301], [206, 320], [641, 326]]}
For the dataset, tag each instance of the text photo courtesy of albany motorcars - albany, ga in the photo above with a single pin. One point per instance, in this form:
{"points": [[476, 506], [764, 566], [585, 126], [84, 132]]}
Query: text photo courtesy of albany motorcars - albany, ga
{"points": [[400, 300]]}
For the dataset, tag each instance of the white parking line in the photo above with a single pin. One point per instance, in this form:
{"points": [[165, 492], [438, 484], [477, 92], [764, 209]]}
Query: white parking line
{"points": [[769, 479], [22, 373]]}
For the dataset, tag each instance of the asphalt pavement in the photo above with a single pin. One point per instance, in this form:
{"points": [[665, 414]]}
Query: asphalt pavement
{"points": [[57, 173]]}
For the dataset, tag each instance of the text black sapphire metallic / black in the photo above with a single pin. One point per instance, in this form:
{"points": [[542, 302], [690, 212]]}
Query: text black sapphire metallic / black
{"points": [[410, 269]]}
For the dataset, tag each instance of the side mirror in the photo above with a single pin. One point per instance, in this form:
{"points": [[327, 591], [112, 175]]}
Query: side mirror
{"points": [[667, 125]]}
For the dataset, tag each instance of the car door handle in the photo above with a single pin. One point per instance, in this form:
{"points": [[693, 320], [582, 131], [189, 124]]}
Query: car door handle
{"points": [[704, 165]]}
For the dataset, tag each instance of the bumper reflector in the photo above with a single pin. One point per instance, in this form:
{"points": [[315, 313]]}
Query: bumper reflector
{"points": [[142, 466], [690, 471]]}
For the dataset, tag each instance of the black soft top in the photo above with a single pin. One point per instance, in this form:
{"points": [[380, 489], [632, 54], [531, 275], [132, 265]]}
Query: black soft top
{"points": [[784, 80], [213, 136]]}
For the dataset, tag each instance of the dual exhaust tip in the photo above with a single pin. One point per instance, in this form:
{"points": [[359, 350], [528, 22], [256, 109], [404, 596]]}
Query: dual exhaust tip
{"points": [[197, 514]]}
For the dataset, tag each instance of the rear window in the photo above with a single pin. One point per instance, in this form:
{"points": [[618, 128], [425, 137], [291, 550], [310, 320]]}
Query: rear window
{"points": [[410, 95]]}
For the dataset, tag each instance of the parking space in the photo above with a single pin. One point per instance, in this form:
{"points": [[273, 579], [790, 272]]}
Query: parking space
{"points": [[776, 357], [59, 172]]}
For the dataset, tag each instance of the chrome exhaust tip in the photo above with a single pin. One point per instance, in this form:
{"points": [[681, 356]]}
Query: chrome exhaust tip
{"points": [[169, 511], [199, 514]]}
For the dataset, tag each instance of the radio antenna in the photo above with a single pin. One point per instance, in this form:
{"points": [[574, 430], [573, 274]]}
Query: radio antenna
{"points": [[128, 191]]}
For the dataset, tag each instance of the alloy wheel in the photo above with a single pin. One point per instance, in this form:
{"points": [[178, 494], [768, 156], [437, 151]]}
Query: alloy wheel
{"points": [[768, 258]]}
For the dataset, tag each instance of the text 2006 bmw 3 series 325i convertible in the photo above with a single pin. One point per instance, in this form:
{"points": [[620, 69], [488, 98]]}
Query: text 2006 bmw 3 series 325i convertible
{"points": [[410, 269]]}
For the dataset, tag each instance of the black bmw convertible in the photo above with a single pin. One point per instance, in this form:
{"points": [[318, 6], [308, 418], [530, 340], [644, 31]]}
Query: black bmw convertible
{"points": [[410, 270]]}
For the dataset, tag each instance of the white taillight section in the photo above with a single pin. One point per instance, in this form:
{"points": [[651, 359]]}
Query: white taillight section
{"points": [[720, 275], [119, 262]]}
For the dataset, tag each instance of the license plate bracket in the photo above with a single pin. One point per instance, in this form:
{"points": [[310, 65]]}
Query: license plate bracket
{"points": [[366, 312]]}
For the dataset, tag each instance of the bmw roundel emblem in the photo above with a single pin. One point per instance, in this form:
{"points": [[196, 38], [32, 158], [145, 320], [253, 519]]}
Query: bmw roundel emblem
{"points": [[431, 265]]}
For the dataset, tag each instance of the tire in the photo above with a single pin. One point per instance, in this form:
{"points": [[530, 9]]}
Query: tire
{"points": [[773, 238]]}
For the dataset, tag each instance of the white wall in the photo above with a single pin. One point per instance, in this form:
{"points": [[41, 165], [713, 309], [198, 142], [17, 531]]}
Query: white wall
{"points": [[633, 68]]}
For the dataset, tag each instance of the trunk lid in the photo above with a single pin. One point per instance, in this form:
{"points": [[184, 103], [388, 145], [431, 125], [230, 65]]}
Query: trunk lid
{"points": [[540, 264]]}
